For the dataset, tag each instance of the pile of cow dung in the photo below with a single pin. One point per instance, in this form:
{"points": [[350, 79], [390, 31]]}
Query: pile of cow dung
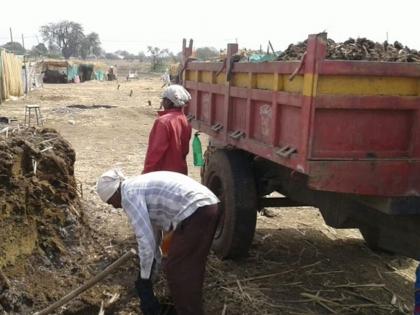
{"points": [[41, 223], [47, 247], [357, 49]]}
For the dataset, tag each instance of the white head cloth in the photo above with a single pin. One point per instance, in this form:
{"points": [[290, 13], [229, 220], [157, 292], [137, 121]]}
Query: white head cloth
{"points": [[108, 184], [177, 95]]}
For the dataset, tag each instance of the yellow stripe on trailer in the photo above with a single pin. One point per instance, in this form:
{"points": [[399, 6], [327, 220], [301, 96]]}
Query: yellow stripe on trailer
{"points": [[368, 85], [310, 82]]}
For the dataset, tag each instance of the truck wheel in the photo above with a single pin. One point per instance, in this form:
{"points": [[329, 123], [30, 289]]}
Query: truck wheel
{"points": [[229, 175], [371, 237]]}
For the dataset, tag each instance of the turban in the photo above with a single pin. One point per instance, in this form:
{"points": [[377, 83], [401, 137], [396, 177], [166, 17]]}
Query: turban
{"points": [[177, 95], [108, 184]]}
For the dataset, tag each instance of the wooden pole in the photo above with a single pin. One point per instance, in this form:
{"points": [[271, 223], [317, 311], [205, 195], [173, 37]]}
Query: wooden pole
{"points": [[271, 46], [23, 42], [11, 35], [100, 276]]}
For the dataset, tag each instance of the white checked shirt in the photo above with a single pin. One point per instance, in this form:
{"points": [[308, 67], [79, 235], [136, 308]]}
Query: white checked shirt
{"points": [[156, 202]]}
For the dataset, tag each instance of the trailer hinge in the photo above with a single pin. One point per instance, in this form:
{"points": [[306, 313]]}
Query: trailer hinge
{"points": [[237, 134], [217, 127], [286, 151]]}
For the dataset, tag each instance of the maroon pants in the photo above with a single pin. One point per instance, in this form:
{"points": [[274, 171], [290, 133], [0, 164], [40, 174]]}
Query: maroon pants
{"points": [[187, 257]]}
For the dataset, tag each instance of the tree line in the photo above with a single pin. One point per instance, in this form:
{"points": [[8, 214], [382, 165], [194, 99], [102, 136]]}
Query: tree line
{"points": [[63, 39], [67, 39]]}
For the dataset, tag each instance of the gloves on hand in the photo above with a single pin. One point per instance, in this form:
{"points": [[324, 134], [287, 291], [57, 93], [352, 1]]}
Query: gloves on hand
{"points": [[149, 305], [155, 273], [168, 309]]}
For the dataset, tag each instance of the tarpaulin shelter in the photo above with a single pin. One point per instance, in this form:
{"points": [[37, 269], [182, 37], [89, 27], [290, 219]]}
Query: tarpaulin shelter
{"points": [[65, 71], [72, 72], [86, 72], [100, 70], [92, 71], [56, 71], [10, 76]]}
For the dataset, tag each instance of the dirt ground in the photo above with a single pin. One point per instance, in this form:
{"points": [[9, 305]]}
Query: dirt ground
{"points": [[297, 264]]}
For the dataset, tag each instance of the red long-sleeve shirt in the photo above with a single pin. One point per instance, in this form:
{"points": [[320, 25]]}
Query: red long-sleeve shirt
{"points": [[168, 143]]}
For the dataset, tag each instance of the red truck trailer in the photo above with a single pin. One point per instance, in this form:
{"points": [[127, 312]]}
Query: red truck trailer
{"points": [[343, 136]]}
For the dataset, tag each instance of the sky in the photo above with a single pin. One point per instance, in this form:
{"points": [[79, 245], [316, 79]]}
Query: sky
{"points": [[133, 25]]}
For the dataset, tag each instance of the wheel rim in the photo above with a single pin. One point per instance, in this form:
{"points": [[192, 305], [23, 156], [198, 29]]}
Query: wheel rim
{"points": [[216, 186]]}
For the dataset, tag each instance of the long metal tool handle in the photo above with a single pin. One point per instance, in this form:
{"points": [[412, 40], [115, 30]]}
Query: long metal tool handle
{"points": [[88, 284]]}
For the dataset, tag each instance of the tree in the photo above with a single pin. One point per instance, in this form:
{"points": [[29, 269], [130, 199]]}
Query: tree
{"points": [[67, 35], [130, 57], [15, 48], [111, 56], [141, 56], [178, 56], [54, 51], [39, 50], [91, 45], [126, 55], [174, 58], [206, 53], [157, 55]]}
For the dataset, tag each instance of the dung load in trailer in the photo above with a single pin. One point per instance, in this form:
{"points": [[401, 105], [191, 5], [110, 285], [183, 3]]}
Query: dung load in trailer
{"points": [[341, 134]]}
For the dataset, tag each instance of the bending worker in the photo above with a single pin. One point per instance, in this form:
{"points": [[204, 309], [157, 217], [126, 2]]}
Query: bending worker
{"points": [[170, 135], [164, 201]]}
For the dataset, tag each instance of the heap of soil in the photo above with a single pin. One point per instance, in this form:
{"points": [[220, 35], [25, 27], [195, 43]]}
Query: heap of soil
{"points": [[357, 49], [40, 218]]}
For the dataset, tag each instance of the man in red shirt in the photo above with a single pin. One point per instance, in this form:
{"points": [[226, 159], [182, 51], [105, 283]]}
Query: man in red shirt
{"points": [[169, 142], [170, 136]]}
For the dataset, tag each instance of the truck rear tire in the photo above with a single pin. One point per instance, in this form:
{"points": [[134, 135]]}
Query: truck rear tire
{"points": [[229, 174], [371, 237]]}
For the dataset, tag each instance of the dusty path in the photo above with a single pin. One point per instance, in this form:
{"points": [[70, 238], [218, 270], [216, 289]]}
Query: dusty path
{"points": [[297, 264]]}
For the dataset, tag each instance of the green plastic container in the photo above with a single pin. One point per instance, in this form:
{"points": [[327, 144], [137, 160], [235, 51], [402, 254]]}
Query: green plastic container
{"points": [[197, 151]]}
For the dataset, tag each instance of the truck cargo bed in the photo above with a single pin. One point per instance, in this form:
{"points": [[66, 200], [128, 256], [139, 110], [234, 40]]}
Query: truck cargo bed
{"points": [[350, 126]]}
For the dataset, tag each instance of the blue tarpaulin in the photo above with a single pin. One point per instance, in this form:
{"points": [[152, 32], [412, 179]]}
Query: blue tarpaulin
{"points": [[262, 58]]}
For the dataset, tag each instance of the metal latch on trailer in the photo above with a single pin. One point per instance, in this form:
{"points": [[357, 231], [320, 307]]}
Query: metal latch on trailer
{"points": [[286, 151], [217, 127], [190, 117], [237, 134]]}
